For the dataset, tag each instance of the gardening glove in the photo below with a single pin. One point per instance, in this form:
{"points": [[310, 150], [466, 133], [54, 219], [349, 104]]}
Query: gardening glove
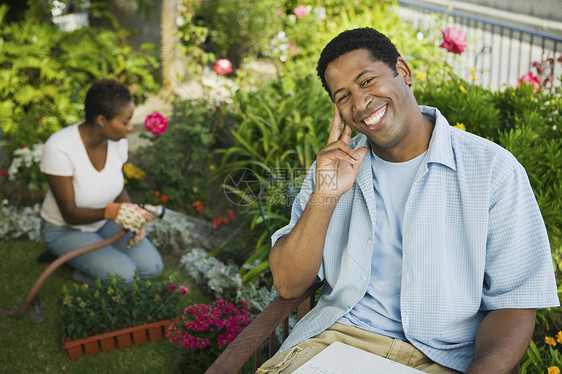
{"points": [[129, 216]]}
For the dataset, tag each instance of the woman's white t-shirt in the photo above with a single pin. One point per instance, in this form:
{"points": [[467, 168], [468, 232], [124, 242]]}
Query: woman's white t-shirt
{"points": [[65, 155]]}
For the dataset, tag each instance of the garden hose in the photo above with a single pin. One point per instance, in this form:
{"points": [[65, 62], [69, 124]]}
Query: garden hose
{"points": [[37, 316]]}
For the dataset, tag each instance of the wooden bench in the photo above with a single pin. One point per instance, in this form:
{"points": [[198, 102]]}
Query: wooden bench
{"points": [[262, 329]]}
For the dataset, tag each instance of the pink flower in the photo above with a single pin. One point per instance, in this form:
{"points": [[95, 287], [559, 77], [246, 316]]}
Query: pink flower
{"points": [[156, 123], [531, 79], [454, 40], [222, 66], [300, 11], [184, 290]]}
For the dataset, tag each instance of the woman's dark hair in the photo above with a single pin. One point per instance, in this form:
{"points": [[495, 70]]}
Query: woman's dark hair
{"points": [[106, 97], [380, 47]]}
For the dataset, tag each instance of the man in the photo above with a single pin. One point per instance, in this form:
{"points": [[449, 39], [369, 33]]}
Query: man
{"points": [[429, 240]]}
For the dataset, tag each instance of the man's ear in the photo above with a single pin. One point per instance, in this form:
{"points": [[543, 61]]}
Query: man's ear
{"points": [[404, 71]]}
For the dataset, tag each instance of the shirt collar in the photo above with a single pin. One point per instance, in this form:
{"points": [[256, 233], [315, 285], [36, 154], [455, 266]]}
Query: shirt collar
{"points": [[440, 149]]}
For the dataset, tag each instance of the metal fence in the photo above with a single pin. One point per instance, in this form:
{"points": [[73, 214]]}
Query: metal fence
{"points": [[498, 54]]}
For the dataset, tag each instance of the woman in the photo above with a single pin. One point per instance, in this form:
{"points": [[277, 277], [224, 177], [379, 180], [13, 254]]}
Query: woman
{"points": [[86, 201]]}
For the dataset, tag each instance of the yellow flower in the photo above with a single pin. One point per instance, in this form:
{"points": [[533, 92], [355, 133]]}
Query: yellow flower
{"points": [[474, 78], [550, 340], [472, 71], [559, 337], [132, 172], [420, 76], [460, 126], [553, 370], [463, 90]]}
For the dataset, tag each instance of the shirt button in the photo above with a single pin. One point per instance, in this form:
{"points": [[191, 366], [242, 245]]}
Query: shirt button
{"points": [[348, 308], [363, 277], [370, 240]]}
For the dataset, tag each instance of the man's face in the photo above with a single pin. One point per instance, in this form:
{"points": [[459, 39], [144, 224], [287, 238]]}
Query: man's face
{"points": [[372, 98]]}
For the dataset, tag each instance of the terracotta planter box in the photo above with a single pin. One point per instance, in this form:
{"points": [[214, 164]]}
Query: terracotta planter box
{"points": [[91, 345]]}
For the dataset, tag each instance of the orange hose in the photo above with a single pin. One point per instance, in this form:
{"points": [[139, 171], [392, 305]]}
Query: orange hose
{"points": [[53, 266]]}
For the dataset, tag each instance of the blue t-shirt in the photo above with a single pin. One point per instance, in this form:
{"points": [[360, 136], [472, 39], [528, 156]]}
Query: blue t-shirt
{"points": [[379, 309]]}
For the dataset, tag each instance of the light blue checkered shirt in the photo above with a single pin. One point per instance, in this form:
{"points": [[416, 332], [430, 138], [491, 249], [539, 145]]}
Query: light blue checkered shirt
{"points": [[473, 240]]}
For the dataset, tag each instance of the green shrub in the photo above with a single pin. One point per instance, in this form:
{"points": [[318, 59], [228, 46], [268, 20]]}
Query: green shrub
{"points": [[310, 35], [44, 73], [457, 100], [239, 28], [177, 162]]}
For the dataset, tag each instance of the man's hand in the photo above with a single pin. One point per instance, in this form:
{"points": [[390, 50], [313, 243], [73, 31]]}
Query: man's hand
{"points": [[337, 165]]}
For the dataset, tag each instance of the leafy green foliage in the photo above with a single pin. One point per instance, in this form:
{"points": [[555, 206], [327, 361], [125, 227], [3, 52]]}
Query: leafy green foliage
{"points": [[239, 28], [178, 161], [44, 73], [193, 35], [539, 359], [310, 34], [280, 129], [114, 304]]}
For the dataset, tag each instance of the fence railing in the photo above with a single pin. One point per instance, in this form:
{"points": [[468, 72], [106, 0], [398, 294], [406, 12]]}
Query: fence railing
{"points": [[498, 54]]}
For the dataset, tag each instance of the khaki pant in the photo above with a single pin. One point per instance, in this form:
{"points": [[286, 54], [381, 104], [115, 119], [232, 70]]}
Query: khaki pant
{"points": [[393, 349]]}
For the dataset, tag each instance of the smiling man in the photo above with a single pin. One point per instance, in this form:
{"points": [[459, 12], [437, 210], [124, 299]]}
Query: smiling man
{"points": [[428, 239]]}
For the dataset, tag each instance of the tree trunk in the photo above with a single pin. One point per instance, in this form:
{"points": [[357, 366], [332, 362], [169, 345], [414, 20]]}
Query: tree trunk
{"points": [[167, 24]]}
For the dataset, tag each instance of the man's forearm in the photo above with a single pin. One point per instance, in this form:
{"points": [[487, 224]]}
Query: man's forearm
{"points": [[502, 339], [295, 259]]}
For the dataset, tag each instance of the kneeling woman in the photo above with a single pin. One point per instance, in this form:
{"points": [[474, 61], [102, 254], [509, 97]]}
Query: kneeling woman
{"points": [[86, 201]]}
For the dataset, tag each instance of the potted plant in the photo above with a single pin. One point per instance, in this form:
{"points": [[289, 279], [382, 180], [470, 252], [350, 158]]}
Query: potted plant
{"points": [[114, 311], [204, 331]]}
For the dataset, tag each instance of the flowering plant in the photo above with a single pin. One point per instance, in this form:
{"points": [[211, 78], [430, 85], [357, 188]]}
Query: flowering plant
{"points": [[454, 40], [529, 78], [222, 66], [300, 11], [156, 123], [205, 330], [545, 358], [87, 310], [24, 169]]}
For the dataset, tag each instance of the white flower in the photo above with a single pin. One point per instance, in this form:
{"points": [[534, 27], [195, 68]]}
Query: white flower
{"points": [[319, 13]]}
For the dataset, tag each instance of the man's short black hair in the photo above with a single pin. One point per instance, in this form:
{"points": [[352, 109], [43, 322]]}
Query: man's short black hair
{"points": [[380, 47], [106, 97]]}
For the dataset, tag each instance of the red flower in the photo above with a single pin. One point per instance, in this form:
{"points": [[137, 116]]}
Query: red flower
{"points": [[184, 290], [198, 205], [4, 173], [23, 146], [222, 66], [156, 193], [164, 198], [300, 11], [454, 40], [219, 221], [529, 78], [230, 214], [156, 123]]}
